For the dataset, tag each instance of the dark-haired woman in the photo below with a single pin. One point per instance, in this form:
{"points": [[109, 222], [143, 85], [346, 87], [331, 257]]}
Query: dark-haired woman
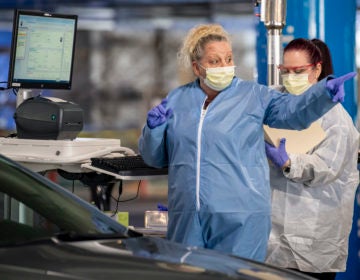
{"points": [[313, 196]]}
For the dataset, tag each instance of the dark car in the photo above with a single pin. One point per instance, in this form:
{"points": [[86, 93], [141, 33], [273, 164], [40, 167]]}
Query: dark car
{"points": [[47, 232]]}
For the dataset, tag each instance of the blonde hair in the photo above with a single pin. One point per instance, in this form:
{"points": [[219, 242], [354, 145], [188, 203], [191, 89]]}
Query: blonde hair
{"points": [[193, 45]]}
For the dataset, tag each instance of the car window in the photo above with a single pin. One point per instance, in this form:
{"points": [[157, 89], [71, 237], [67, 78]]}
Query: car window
{"points": [[20, 224], [31, 207]]}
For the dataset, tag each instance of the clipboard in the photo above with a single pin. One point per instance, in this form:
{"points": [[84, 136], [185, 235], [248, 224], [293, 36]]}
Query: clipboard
{"points": [[297, 141]]}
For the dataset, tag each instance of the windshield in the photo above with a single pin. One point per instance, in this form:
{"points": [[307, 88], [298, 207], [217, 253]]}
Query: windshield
{"points": [[33, 207]]}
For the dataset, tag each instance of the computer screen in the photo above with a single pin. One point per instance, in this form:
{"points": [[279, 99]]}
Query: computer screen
{"points": [[42, 50]]}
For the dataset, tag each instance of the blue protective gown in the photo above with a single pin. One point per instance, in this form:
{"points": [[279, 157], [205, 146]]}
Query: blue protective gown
{"points": [[218, 182]]}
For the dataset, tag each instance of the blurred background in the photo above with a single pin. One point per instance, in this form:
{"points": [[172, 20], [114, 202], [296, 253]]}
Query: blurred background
{"points": [[125, 63], [125, 60], [125, 57]]}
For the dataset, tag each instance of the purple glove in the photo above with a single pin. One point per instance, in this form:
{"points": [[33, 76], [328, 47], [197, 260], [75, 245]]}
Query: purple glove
{"points": [[336, 86], [159, 115], [162, 207], [277, 155]]}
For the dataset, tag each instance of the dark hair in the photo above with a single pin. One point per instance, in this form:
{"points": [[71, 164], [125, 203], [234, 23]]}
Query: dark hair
{"points": [[327, 66], [317, 51]]}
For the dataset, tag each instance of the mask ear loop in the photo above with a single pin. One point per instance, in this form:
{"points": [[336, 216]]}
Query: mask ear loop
{"points": [[318, 75], [202, 68]]}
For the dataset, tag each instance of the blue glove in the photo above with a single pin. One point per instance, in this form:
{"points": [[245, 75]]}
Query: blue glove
{"points": [[336, 86], [277, 155], [159, 114], [162, 207]]}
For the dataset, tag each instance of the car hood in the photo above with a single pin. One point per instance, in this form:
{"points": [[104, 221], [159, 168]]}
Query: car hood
{"points": [[131, 258]]}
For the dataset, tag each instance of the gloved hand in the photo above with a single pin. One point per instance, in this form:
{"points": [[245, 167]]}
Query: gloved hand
{"points": [[336, 86], [159, 114], [162, 207], [277, 155]]}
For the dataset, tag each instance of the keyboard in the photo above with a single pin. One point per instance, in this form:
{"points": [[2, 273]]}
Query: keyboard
{"points": [[127, 166]]}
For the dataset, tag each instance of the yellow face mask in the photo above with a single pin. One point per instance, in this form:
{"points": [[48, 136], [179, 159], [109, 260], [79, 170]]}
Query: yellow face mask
{"points": [[296, 83], [219, 78]]}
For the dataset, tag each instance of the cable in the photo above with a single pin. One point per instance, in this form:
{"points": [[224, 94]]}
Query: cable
{"points": [[15, 91], [3, 88], [11, 135], [125, 200], [135, 197], [117, 200]]}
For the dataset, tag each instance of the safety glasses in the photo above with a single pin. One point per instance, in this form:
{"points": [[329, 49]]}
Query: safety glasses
{"points": [[296, 70]]}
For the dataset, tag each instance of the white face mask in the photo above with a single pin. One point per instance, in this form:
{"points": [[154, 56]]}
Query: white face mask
{"points": [[296, 83], [219, 78]]}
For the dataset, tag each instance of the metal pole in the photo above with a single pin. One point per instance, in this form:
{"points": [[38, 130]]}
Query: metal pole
{"points": [[274, 14]]}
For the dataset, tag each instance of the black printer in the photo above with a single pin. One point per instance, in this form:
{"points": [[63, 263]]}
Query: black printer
{"points": [[48, 119]]}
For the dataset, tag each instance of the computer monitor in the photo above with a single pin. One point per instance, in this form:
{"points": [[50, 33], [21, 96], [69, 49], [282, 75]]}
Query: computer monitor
{"points": [[42, 57], [42, 50]]}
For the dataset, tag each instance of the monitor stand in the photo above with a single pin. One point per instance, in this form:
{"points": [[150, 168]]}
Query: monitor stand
{"points": [[24, 94]]}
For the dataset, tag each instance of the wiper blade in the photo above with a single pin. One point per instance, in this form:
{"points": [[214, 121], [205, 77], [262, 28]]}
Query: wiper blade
{"points": [[73, 236]]}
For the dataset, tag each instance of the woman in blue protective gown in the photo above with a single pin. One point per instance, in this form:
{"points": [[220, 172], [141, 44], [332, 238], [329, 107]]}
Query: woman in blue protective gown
{"points": [[209, 133]]}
